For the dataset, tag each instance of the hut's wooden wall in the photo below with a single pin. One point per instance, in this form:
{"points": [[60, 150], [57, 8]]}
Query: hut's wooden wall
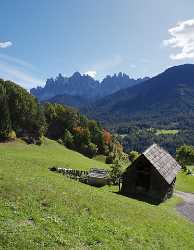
{"points": [[158, 186]]}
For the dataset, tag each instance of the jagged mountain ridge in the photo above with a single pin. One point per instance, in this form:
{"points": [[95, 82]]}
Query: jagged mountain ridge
{"points": [[84, 86]]}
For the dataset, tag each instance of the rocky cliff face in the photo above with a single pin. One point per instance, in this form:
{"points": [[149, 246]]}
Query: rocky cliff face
{"points": [[84, 86]]}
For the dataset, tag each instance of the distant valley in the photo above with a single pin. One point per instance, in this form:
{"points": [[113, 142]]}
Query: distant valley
{"points": [[166, 98]]}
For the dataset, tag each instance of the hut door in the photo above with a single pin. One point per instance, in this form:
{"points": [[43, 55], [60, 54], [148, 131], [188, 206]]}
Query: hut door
{"points": [[143, 179]]}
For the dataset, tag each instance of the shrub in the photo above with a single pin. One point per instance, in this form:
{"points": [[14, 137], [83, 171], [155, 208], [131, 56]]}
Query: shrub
{"points": [[185, 156], [116, 171], [12, 135], [92, 149], [89, 150], [189, 171], [110, 159], [7, 135], [133, 155], [68, 139], [3, 135], [40, 141], [60, 141]]}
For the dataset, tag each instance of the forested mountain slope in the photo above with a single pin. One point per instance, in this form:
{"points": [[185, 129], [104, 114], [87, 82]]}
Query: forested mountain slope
{"points": [[167, 96]]}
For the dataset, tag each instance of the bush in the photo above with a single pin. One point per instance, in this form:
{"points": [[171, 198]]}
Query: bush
{"points": [[116, 171], [3, 135], [185, 156], [189, 172], [89, 150], [133, 155], [7, 135], [60, 141], [40, 141], [68, 139], [12, 135], [110, 159], [92, 149]]}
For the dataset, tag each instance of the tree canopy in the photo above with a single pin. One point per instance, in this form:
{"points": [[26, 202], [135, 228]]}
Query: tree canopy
{"points": [[76, 131], [19, 111], [185, 155], [23, 116]]}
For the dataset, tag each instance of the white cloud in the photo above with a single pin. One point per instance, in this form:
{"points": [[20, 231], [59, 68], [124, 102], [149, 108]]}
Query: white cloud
{"points": [[4, 45], [91, 73], [182, 37]]}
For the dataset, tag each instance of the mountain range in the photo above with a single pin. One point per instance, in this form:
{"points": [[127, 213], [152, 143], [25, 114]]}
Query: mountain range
{"points": [[69, 100], [168, 97], [83, 86]]}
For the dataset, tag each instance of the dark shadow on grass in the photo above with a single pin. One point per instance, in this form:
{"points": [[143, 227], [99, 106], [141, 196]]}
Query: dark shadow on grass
{"points": [[140, 197]]}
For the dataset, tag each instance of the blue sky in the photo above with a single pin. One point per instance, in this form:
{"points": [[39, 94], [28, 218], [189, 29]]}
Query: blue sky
{"points": [[41, 38]]}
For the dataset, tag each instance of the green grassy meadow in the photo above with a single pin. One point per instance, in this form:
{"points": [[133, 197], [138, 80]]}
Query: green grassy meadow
{"points": [[40, 209], [166, 132], [185, 182]]}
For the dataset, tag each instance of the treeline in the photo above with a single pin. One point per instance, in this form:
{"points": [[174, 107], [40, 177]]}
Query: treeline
{"points": [[21, 115], [139, 138], [76, 131]]}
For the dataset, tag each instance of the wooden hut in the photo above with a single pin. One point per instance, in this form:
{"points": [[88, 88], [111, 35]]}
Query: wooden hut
{"points": [[151, 176]]}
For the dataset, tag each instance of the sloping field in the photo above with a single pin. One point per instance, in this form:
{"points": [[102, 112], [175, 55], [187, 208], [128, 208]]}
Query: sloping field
{"points": [[43, 210], [185, 182]]}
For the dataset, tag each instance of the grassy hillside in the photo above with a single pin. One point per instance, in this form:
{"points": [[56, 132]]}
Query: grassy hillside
{"points": [[185, 182], [49, 154], [43, 210]]}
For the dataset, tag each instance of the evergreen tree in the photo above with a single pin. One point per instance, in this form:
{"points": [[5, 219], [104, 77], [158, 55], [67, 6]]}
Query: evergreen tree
{"points": [[5, 121]]}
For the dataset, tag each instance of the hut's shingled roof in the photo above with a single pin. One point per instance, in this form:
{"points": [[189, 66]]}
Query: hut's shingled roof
{"points": [[165, 164]]}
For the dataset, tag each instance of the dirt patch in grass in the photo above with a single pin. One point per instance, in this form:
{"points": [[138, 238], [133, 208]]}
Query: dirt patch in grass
{"points": [[187, 207]]}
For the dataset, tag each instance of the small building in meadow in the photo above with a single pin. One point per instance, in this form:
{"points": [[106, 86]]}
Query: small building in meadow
{"points": [[151, 176]]}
